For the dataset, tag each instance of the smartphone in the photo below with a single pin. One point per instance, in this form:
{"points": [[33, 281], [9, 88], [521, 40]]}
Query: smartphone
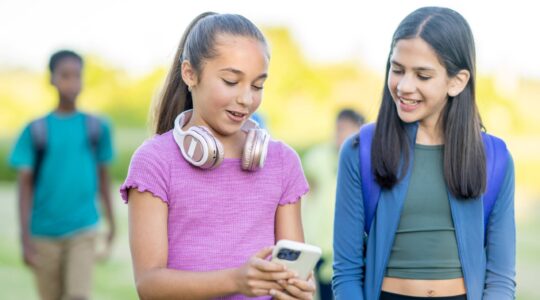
{"points": [[297, 256]]}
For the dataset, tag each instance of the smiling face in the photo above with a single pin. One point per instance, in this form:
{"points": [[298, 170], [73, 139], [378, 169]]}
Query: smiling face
{"points": [[230, 85], [418, 82]]}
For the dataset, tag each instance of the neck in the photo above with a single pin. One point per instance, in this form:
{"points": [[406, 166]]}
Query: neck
{"points": [[233, 145], [66, 106], [429, 134]]}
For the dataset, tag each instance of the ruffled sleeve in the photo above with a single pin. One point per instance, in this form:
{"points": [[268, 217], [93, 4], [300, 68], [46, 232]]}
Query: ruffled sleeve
{"points": [[148, 172], [294, 183]]}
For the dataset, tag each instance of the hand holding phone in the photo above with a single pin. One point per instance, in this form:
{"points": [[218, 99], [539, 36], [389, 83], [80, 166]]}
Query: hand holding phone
{"points": [[298, 257]]}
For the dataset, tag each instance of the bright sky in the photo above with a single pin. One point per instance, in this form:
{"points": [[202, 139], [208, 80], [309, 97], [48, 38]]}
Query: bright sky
{"points": [[139, 35]]}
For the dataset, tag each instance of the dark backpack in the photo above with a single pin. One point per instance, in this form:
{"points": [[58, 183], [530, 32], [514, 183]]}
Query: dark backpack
{"points": [[496, 159], [38, 132]]}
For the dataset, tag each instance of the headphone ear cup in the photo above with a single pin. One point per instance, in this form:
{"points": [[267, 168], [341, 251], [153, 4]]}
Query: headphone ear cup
{"points": [[193, 147], [213, 148], [197, 144], [255, 149], [247, 153]]}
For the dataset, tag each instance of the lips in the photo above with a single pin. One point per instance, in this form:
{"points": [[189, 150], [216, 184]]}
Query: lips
{"points": [[408, 105], [409, 101], [236, 116]]}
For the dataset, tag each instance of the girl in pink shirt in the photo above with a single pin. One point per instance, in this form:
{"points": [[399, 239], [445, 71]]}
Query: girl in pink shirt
{"points": [[210, 193]]}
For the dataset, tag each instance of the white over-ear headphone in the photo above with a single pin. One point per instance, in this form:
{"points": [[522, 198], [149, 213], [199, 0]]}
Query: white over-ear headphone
{"points": [[201, 149]]}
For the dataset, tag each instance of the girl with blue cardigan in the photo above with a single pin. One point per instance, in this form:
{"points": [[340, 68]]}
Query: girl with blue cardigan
{"points": [[427, 238]]}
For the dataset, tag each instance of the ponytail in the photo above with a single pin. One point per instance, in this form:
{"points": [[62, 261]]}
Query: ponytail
{"points": [[175, 97]]}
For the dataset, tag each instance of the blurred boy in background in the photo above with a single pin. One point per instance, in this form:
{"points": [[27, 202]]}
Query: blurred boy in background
{"points": [[61, 160]]}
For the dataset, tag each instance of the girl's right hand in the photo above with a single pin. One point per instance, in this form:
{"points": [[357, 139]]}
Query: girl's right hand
{"points": [[258, 275]]}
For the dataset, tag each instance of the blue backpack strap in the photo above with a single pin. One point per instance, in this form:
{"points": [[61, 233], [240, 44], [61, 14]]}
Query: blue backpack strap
{"points": [[370, 189], [38, 132], [93, 130], [496, 164]]}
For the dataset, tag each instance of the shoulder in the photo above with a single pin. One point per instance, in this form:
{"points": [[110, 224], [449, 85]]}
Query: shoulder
{"points": [[26, 130], [349, 158], [279, 149], [92, 118], [160, 146], [37, 128], [39, 121], [367, 131], [498, 157], [282, 159], [493, 141], [349, 149], [495, 149]]}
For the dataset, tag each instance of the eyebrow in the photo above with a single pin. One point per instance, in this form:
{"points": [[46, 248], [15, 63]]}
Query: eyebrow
{"points": [[416, 68], [238, 72]]}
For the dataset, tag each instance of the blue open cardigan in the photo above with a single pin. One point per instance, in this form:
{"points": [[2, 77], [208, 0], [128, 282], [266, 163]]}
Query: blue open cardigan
{"points": [[489, 271]]}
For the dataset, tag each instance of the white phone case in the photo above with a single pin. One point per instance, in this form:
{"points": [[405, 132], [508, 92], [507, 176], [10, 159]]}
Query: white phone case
{"points": [[304, 261]]}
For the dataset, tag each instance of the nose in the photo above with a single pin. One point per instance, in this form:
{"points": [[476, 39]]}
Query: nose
{"points": [[246, 97], [406, 84]]}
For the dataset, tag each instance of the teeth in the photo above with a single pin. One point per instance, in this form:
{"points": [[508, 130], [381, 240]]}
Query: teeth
{"points": [[411, 102], [236, 114]]}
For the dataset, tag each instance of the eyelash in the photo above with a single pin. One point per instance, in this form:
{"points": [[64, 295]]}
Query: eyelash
{"points": [[230, 83], [423, 78]]}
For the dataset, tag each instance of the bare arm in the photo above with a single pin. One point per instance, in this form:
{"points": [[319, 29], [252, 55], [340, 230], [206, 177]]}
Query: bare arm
{"points": [[149, 251], [106, 200], [289, 223], [25, 193], [289, 226]]}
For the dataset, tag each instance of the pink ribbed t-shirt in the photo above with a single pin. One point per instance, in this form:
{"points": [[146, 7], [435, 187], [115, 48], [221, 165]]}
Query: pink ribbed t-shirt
{"points": [[217, 218]]}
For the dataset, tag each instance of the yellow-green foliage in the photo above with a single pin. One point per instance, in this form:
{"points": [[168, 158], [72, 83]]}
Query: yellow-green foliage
{"points": [[301, 99]]}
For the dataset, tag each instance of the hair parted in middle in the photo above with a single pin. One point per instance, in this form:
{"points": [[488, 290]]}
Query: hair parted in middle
{"points": [[451, 38]]}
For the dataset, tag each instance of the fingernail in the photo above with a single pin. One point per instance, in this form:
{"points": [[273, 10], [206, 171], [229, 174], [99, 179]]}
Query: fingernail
{"points": [[272, 292]]}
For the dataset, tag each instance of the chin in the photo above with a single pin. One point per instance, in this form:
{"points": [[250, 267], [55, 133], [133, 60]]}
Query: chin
{"points": [[70, 97], [226, 131], [407, 118]]}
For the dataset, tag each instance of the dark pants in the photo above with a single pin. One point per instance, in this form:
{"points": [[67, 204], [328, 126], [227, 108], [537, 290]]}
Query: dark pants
{"points": [[390, 296], [324, 288]]}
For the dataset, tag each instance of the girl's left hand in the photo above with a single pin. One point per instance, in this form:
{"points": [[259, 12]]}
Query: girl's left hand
{"points": [[295, 288]]}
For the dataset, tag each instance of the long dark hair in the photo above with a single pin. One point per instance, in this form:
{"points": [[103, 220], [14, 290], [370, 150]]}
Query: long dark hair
{"points": [[449, 35], [196, 46]]}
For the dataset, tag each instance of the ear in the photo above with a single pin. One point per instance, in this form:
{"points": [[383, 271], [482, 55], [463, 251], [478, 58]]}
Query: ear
{"points": [[458, 83], [189, 75]]}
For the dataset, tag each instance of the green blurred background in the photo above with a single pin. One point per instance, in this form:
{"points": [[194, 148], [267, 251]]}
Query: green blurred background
{"points": [[301, 98]]}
